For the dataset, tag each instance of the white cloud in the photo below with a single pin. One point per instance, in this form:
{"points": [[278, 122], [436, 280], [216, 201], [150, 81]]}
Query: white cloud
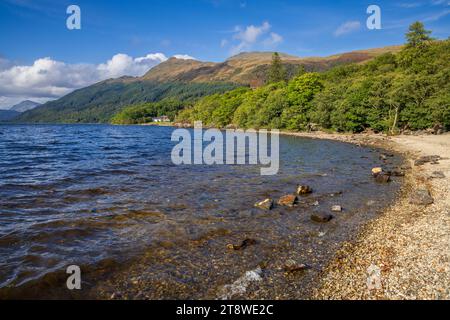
{"points": [[47, 79], [347, 27], [273, 40], [250, 36], [184, 57]]}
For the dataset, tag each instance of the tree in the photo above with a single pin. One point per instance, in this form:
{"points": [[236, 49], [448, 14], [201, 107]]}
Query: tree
{"points": [[277, 72], [417, 34]]}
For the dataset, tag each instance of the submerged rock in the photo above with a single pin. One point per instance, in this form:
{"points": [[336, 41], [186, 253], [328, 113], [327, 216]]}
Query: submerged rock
{"points": [[302, 190], [336, 208], [293, 266], [321, 217], [397, 173], [382, 178], [289, 200], [265, 204], [421, 197], [244, 244]]}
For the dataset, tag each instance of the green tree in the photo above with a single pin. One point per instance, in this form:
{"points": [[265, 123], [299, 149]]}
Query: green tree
{"points": [[277, 71], [417, 34]]}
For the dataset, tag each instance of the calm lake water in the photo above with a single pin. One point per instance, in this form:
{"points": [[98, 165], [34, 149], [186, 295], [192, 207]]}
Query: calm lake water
{"points": [[109, 199]]}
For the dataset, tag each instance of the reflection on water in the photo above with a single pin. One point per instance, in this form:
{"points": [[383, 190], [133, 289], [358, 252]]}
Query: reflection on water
{"points": [[108, 198]]}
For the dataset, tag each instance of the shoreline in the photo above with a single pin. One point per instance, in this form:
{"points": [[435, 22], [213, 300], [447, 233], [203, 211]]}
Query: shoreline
{"points": [[408, 243]]}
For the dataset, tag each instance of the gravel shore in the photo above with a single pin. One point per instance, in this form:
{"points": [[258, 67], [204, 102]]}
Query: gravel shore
{"points": [[403, 254]]}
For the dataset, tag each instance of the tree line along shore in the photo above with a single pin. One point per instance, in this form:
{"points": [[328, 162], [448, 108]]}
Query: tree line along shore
{"points": [[392, 93]]}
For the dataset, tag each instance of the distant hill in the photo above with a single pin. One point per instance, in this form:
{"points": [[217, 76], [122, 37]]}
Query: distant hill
{"points": [[180, 79], [250, 68], [8, 115], [25, 106], [101, 101]]}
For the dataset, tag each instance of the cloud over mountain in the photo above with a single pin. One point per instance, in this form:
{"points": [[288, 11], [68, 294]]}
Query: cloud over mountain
{"points": [[247, 38], [47, 78]]}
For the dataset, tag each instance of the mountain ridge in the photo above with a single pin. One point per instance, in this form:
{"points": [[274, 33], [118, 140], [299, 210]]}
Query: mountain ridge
{"points": [[24, 106], [182, 79]]}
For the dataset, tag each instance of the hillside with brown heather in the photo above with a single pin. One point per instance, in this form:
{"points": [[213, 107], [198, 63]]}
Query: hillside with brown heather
{"points": [[251, 67]]}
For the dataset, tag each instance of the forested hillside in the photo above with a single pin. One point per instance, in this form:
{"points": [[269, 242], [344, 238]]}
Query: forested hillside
{"points": [[406, 90], [99, 102]]}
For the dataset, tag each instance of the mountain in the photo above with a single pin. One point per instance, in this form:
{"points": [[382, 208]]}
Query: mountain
{"points": [[250, 68], [25, 106], [8, 115], [185, 80]]}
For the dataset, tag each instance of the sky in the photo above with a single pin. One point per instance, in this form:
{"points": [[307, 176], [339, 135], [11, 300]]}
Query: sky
{"points": [[41, 59]]}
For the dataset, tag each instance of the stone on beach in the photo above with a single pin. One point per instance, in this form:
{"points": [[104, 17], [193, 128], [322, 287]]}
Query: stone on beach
{"points": [[427, 159], [265, 204], [437, 175], [289, 200], [421, 197]]}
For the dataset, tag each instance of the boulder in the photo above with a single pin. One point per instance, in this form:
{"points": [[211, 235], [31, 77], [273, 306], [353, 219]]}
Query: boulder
{"points": [[289, 200], [377, 171], [421, 197], [302, 190], [321, 217], [265, 204]]}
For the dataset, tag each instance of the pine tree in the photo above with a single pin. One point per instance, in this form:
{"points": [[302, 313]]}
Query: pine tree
{"points": [[417, 34], [277, 72]]}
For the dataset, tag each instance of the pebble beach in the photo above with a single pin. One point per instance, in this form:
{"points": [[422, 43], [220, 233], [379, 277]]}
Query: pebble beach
{"points": [[408, 245]]}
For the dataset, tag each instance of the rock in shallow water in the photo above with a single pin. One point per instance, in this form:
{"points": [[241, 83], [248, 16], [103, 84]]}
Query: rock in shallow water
{"points": [[421, 197], [302, 190], [336, 208], [382, 178], [376, 171], [289, 200], [265, 204], [321, 217], [243, 245], [293, 266]]}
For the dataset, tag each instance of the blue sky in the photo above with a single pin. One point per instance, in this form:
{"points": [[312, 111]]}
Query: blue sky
{"points": [[209, 30]]}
